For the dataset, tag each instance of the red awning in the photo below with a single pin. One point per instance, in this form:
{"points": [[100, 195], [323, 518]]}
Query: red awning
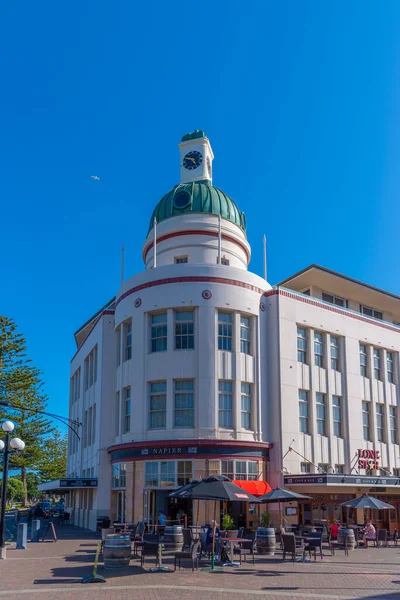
{"points": [[257, 488]]}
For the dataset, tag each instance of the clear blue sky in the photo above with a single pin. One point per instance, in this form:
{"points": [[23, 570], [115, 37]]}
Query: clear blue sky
{"points": [[299, 99]]}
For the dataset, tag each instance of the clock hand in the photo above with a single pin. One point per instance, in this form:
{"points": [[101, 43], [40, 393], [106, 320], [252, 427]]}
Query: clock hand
{"points": [[190, 158]]}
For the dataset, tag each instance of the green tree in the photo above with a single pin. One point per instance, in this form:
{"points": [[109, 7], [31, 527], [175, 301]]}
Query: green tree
{"points": [[21, 388], [15, 490], [53, 463]]}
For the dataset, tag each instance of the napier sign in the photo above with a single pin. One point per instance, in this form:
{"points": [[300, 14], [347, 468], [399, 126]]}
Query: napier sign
{"points": [[368, 459]]}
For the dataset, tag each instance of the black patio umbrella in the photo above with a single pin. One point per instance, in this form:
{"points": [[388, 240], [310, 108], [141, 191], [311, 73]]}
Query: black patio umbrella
{"points": [[281, 495], [180, 493], [366, 501], [215, 487]]}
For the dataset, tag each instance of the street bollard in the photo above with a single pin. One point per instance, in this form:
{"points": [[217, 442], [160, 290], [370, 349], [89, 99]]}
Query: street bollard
{"points": [[22, 531], [35, 530]]}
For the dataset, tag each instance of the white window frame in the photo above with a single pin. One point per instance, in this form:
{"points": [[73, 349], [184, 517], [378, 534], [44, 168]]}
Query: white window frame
{"points": [[380, 422], [162, 412], [304, 418], [225, 413], [302, 345], [181, 260], [127, 406], [363, 360], [245, 334], [335, 352], [184, 329], [183, 396], [225, 330], [377, 356], [182, 470], [393, 424], [368, 311], [366, 416], [337, 300], [337, 416], [246, 405], [158, 332], [117, 414], [127, 340], [240, 469], [320, 400], [390, 366], [305, 467], [318, 349]]}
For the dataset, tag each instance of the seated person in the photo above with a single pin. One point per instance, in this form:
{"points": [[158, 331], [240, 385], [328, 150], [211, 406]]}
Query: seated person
{"points": [[334, 529], [161, 521], [209, 538], [369, 533]]}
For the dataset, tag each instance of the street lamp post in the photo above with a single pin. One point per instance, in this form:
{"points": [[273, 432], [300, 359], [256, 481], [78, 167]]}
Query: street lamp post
{"points": [[15, 444]]}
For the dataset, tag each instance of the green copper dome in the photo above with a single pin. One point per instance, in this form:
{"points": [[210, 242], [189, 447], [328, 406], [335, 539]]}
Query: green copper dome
{"points": [[198, 197]]}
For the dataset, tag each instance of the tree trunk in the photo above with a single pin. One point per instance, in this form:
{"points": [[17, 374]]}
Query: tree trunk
{"points": [[24, 483]]}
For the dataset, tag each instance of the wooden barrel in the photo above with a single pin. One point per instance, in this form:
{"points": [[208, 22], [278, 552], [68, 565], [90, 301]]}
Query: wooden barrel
{"points": [[173, 538], [265, 539], [117, 551], [351, 540]]}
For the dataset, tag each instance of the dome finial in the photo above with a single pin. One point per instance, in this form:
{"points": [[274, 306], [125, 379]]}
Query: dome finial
{"points": [[195, 135]]}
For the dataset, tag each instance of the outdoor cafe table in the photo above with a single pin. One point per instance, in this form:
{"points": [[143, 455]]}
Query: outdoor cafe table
{"points": [[160, 567], [231, 541], [305, 538]]}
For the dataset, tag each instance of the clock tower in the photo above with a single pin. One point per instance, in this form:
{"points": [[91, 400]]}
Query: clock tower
{"points": [[196, 157]]}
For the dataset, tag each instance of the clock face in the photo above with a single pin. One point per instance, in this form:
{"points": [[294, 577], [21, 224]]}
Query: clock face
{"points": [[192, 160], [209, 167]]}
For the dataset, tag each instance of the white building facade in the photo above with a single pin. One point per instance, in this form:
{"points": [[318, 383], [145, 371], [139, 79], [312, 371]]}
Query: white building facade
{"points": [[199, 366]]}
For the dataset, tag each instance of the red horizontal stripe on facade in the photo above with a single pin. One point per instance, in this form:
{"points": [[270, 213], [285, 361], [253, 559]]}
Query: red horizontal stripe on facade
{"points": [[213, 234]]}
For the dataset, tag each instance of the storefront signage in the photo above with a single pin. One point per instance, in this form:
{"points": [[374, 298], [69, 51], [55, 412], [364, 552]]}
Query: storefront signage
{"points": [[334, 479], [78, 483], [368, 459], [164, 451], [154, 452]]}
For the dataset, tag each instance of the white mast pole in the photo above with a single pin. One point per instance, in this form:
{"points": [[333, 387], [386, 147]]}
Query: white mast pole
{"points": [[122, 263], [155, 244], [265, 256], [219, 239]]}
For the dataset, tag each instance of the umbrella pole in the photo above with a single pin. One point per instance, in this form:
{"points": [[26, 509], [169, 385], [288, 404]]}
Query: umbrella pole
{"points": [[197, 519], [213, 540], [280, 516]]}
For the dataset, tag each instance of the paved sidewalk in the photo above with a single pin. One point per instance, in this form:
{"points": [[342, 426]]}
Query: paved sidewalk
{"points": [[51, 570]]}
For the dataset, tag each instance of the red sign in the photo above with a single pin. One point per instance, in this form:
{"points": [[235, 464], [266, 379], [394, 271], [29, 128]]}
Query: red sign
{"points": [[368, 459]]}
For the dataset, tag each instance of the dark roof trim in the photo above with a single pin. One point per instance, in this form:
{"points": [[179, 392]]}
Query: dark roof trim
{"points": [[107, 305], [325, 270]]}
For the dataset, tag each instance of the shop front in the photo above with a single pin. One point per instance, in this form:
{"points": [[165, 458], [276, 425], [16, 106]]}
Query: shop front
{"points": [[152, 470], [328, 492]]}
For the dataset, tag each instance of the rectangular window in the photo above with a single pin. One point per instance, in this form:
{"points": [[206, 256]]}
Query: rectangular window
{"points": [[227, 468], [224, 331], [366, 420], [86, 373], [90, 423], [159, 332], [393, 424], [95, 363], [334, 299], [305, 467], [337, 416], [167, 473], [128, 341], [119, 476], [246, 406], [252, 470], [85, 429], [240, 470], [185, 471], [225, 404], [158, 405], [245, 334], [91, 370], [339, 469], [363, 360], [127, 410], [180, 260], [118, 345], [303, 411], [396, 473], [184, 329], [334, 353], [225, 261], [184, 403], [380, 425], [321, 414], [318, 349], [301, 345], [389, 366], [117, 414], [371, 312], [151, 475], [377, 363], [94, 424], [323, 467]]}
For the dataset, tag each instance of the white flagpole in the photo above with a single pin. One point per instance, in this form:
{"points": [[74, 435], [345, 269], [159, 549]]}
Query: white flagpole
{"points": [[155, 244], [219, 239], [122, 263], [265, 256]]}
